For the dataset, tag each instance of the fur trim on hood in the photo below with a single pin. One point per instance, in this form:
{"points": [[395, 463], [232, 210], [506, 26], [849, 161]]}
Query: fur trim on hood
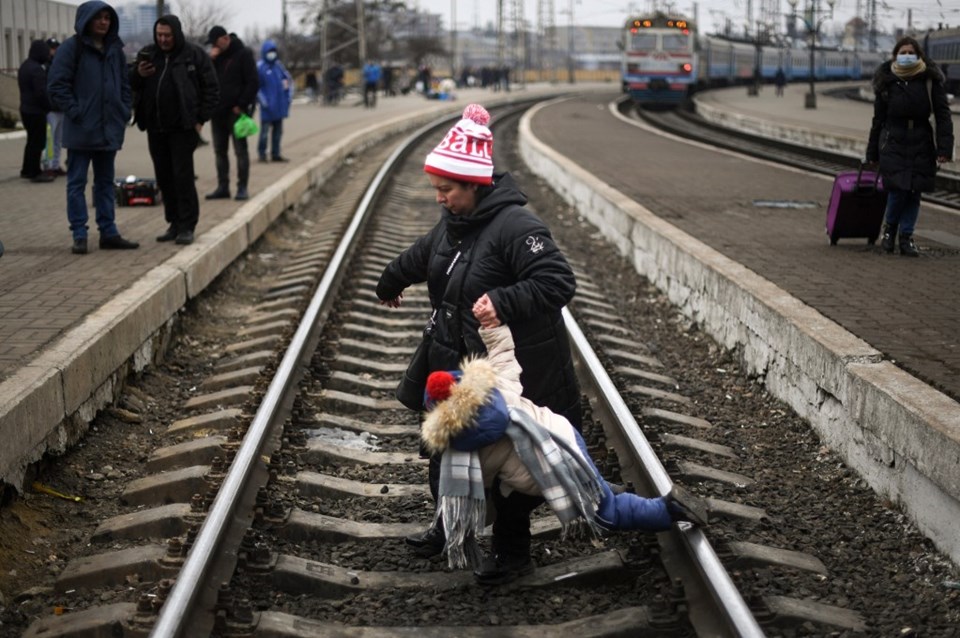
{"points": [[459, 412]]}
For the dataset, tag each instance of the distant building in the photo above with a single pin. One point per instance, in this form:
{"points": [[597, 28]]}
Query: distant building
{"points": [[413, 24], [594, 48], [137, 19], [22, 21]]}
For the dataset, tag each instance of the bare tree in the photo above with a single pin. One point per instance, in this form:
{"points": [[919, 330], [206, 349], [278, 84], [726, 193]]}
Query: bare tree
{"points": [[199, 16], [382, 18], [420, 48]]}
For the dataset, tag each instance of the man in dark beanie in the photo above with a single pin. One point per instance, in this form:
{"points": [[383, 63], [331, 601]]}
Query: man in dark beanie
{"points": [[239, 82], [177, 92]]}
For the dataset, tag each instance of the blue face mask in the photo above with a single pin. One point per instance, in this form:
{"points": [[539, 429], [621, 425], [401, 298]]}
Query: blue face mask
{"points": [[271, 56], [906, 59]]}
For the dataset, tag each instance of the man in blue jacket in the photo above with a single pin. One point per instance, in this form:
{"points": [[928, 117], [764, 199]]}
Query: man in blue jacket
{"points": [[178, 90], [371, 79], [88, 82], [274, 97]]}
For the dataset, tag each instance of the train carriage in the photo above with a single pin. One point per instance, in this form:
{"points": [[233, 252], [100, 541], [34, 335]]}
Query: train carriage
{"points": [[659, 59], [664, 60], [943, 47]]}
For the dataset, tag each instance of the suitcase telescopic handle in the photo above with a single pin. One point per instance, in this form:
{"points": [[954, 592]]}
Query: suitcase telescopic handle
{"points": [[876, 177]]}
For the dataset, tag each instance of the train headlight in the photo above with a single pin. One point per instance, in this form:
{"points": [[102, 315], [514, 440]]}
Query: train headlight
{"points": [[686, 67]]}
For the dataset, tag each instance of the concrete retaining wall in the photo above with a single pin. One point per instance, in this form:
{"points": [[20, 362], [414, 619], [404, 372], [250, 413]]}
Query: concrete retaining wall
{"points": [[804, 136], [901, 435]]}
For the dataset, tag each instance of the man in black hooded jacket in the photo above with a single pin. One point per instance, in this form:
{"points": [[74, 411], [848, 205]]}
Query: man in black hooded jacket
{"points": [[34, 106], [177, 91]]}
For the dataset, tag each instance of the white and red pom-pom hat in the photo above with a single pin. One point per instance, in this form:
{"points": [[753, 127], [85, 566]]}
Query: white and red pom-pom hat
{"points": [[466, 153]]}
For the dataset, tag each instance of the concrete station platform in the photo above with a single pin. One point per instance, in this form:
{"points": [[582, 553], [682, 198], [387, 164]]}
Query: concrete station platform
{"points": [[865, 346], [72, 325], [836, 124]]}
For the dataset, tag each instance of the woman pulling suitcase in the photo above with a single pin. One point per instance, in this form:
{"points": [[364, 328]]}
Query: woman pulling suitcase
{"points": [[903, 141]]}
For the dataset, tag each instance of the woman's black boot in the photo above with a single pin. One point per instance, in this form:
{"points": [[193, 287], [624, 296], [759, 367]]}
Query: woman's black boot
{"points": [[889, 237], [907, 247]]}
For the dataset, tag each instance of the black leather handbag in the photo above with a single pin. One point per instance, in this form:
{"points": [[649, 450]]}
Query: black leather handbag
{"points": [[414, 380]]}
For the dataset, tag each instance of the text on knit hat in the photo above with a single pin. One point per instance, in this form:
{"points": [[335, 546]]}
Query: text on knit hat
{"points": [[466, 153]]}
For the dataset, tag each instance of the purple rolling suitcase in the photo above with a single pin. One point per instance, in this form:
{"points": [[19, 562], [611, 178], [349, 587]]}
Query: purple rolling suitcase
{"points": [[856, 206]]}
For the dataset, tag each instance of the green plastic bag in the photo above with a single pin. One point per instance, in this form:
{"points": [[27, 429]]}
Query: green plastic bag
{"points": [[245, 126]]}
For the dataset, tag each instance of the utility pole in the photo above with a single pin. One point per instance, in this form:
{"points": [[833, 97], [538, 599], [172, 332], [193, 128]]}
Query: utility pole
{"points": [[540, 37], [571, 41], [547, 38], [453, 39], [519, 49], [283, 25], [324, 45], [361, 34], [500, 42], [160, 11]]}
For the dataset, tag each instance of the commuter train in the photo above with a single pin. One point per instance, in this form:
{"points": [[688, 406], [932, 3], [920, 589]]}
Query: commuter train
{"points": [[664, 61], [943, 46], [659, 59]]}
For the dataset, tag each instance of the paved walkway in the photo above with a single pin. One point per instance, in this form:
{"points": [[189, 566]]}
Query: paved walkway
{"points": [[906, 308]]}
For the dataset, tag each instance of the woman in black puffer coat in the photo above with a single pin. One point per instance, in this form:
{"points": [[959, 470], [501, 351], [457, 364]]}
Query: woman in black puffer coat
{"points": [[511, 272], [511, 263], [909, 149]]}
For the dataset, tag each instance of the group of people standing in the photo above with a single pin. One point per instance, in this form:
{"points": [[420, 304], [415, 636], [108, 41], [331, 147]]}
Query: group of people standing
{"points": [[173, 88]]}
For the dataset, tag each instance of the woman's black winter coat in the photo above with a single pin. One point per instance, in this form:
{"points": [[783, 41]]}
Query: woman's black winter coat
{"points": [[510, 256], [901, 134]]}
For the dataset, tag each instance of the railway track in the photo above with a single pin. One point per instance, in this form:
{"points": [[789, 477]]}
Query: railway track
{"points": [[280, 505]]}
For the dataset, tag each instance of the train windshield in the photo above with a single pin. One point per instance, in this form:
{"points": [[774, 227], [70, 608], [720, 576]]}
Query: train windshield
{"points": [[675, 42], [643, 41]]}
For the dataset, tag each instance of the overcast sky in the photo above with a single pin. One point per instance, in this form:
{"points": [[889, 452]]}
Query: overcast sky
{"points": [[266, 15], [614, 13]]}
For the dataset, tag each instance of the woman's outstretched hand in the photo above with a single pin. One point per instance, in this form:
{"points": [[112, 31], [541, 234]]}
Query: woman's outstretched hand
{"points": [[392, 303]]}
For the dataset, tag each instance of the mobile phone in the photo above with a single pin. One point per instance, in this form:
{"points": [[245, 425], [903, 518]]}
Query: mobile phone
{"points": [[143, 56]]}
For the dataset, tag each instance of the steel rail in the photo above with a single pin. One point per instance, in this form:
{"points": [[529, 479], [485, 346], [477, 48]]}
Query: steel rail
{"points": [[179, 610], [723, 594]]}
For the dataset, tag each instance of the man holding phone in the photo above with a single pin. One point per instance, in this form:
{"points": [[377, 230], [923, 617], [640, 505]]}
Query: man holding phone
{"points": [[176, 92]]}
